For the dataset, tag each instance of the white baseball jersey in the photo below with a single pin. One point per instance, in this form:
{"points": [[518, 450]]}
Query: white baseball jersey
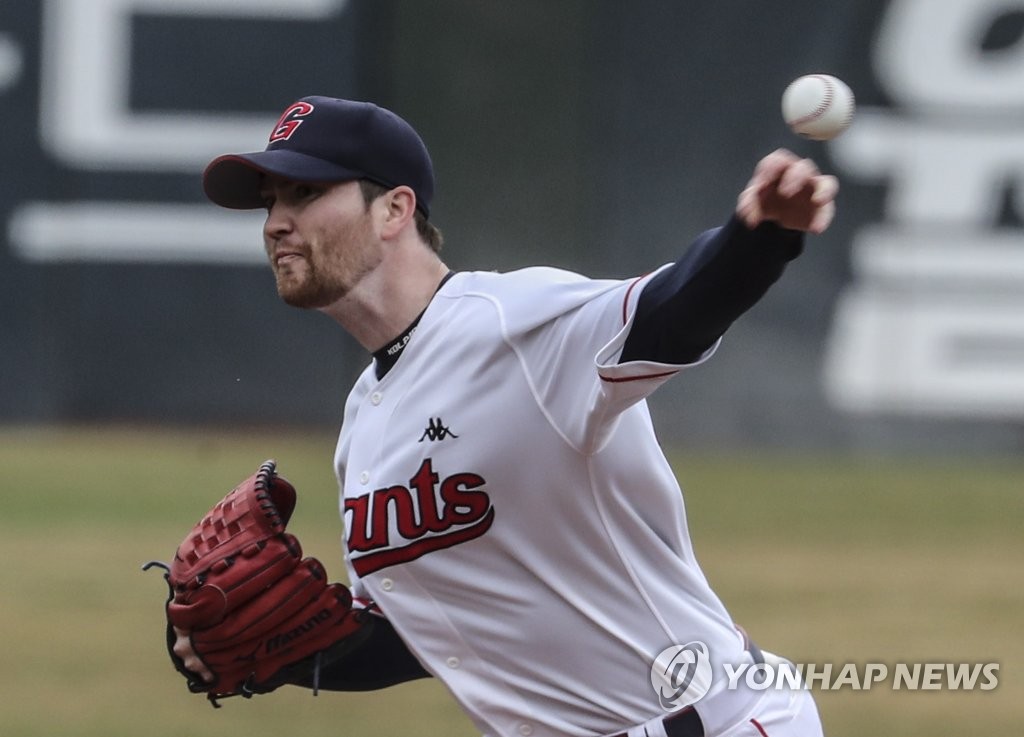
{"points": [[508, 507]]}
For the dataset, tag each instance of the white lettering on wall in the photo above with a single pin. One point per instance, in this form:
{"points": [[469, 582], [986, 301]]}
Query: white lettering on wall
{"points": [[11, 62], [86, 123], [934, 321], [85, 118]]}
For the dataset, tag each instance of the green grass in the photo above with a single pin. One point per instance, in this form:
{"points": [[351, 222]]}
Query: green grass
{"points": [[823, 559]]}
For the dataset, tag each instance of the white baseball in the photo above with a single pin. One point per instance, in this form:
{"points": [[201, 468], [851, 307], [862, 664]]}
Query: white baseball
{"points": [[818, 106]]}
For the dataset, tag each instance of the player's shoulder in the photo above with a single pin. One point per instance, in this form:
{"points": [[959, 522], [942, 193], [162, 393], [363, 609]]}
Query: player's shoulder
{"points": [[526, 298], [532, 277], [526, 285]]}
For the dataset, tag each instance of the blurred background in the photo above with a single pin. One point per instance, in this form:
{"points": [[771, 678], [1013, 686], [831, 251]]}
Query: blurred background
{"points": [[597, 136], [140, 330]]}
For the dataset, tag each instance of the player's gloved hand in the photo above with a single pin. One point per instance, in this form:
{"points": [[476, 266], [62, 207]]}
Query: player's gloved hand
{"points": [[246, 612], [789, 191]]}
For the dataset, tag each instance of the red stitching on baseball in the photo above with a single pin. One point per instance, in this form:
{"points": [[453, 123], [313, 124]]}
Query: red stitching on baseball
{"points": [[826, 102]]}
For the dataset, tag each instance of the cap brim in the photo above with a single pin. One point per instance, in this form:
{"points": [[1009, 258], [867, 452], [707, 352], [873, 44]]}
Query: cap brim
{"points": [[234, 180]]}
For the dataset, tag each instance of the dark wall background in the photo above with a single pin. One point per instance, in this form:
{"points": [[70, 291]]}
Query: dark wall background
{"points": [[595, 135]]}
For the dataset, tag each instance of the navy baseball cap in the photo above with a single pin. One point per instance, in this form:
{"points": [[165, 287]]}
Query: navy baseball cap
{"points": [[324, 139]]}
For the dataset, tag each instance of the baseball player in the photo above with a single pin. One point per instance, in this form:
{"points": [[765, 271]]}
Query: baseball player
{"points": [[511, 521]]}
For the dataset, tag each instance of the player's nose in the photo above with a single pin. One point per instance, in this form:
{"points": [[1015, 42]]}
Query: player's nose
{"points": [[278, 223]]}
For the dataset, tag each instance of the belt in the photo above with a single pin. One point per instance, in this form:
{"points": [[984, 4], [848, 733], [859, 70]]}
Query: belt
{"points": [[687, 722], [684, 723]]}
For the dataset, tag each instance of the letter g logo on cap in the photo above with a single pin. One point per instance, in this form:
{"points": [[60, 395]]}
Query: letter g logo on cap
{"points": [[290, 120]]}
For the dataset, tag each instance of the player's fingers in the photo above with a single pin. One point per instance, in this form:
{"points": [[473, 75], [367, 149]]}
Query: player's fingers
{"points": [[796, 177], [183, 649], [826, 187], [771, 168], [748, 207], [823, 217], [765, 178]]}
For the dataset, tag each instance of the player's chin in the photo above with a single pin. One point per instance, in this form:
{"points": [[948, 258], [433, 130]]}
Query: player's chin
{"points": [[291, 290], [297, 298], [306, 295]]}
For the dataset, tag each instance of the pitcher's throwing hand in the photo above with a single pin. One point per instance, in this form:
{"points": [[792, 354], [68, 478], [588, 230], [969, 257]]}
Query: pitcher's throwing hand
{"points": [[789, 191]]}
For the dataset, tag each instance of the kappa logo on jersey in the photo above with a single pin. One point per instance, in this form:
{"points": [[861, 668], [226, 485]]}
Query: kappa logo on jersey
{"points": [[428, 515], [289, 121], [436, 431]]}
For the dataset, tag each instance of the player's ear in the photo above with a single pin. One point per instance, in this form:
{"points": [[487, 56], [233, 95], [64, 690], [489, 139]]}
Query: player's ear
{"points": [[399, 209]]}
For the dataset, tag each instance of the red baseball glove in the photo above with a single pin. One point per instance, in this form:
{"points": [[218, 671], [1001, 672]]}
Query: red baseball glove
{"points": [[258, 613]]}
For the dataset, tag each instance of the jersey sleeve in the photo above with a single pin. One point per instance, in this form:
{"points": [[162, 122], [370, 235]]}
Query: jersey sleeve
{"points": [[568, 334], [687, 307], [675, 317], [381, 660], [624, 383]]}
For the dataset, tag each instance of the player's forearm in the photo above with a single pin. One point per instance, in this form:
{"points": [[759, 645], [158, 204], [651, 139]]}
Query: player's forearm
{"points": [[381, 660], [684, 309]]}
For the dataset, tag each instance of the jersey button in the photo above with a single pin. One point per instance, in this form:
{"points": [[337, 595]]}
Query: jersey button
{"points": [[364, 477], [453, 662], [387, 584], [526, 730], [376, 398]]}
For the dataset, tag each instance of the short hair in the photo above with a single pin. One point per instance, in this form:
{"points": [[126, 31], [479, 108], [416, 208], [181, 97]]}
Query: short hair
{"points": [[429, 233]]}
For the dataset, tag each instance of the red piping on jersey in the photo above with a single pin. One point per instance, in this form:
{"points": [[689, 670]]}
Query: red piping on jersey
{"points": [[625, 300], [759, 727], [625, 319], [639, 378]]}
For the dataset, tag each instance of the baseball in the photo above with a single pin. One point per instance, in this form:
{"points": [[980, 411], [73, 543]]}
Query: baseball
{"points": [[818, 106]]}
